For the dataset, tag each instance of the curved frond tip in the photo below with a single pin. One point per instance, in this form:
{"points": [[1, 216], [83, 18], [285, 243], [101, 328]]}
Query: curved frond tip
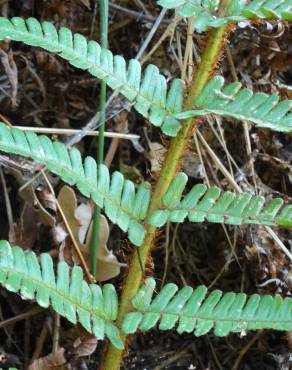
{"points": [[148, 92], [66, 290], [232, 100], [129, 207], [206, 15], [197, 311]]}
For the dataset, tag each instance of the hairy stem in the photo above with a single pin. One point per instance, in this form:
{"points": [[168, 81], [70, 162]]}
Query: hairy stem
{"points": [[171, 164], [94, 242]]}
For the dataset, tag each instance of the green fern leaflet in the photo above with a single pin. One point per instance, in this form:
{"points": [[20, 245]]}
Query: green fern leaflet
{"points": [[128, 207], [205, 11], [66, 291], [149, 93], [195, 311], [234, 101], [96, 309]]}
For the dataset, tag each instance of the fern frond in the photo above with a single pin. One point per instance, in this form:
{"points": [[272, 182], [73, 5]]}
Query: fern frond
{"points": [[123, 205], [127, 207], [66, 291], [206, 17], [213, 205], [241, 103], [149, 93], [196, 311]]}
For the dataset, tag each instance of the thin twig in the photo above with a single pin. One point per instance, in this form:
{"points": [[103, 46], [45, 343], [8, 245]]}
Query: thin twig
{"points": [[245, 350], [56, 333], [22, 316], [166, 245], [231, 180], [40, 341], [7, 200], [12, 74], [189, 47], [122, 126], [245, 123], [217, 161], [138, 15], [67, 131], [168, 32], [279, 242], [27, 334], [151, 33], [201, 158]]}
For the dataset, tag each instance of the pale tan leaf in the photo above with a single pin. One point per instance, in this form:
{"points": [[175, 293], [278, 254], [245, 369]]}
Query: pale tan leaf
{"points": [[107, 265], [79, 219], [23, 232], [156, 156], [28, 194], [68, 202], [84, 345], [54, 361]]}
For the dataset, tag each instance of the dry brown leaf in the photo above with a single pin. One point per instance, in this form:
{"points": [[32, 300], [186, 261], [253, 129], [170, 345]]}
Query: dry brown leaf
{"points": [[28, 194], [54, 361], [79, 219], [84, 345], [68, 202], [23, 233], [46, 197], [156, 155]]}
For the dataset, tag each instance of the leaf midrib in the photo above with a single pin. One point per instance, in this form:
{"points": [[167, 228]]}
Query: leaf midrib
{"points": [[205, 317]]}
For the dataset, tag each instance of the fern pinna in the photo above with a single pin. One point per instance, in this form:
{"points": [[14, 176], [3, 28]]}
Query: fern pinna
{"points": [[206, 16], [193, 311], [149, 93], [127, 207]]}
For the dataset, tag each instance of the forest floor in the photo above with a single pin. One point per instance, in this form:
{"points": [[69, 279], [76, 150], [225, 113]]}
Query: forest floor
{"points": [[41, 90]]}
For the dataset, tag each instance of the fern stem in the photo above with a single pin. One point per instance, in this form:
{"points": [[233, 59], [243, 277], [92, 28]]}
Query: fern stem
{"points": [[171, 164], [94, 243]]}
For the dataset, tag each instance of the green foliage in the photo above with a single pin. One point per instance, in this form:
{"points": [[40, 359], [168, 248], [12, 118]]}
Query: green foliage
{"points": [[149, 93], [241, 103], [127, 207], [205, 14], [96, 309], [66, 291], [122, 204], [197, 311], [202, 203], [188, 310]]}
